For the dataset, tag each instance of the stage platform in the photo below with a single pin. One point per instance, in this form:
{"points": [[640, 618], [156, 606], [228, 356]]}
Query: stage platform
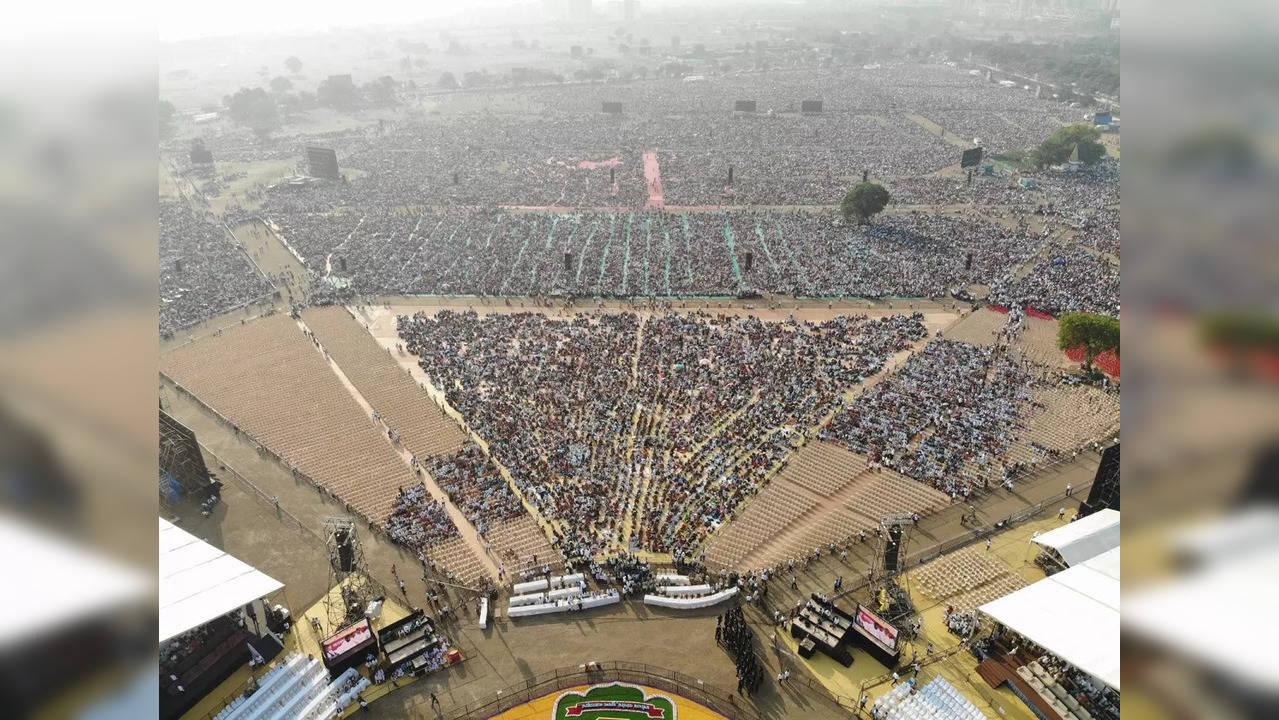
{"points": [[303, 638]]}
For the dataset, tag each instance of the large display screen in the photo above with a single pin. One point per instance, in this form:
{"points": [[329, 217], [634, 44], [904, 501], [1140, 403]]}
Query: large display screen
{"points": [[970, 157], [878, 628], [347, 640], [744, 106]]}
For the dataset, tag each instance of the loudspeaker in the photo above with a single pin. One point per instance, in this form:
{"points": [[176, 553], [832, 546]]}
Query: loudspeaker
{"points": [[612, 174], [568, 260], [342, 262], [865, 176], [346, 552], [968, 262], [750, 259], [455, 182], [893, 549], [177, 265], [1105, 485], [730, 174]]}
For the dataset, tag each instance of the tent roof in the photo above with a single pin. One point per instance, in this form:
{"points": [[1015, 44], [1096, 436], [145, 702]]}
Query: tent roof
{"points": [[1073, 614], [199, 582], [76, 583], [1084, 538], [1185, 615]]}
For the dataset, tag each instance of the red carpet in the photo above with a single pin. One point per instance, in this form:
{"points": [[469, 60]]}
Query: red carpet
{"points": [[1107, 362]]}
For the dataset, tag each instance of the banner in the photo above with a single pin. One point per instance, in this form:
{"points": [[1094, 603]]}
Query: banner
{"points": [[347, 640], [878, 628]]}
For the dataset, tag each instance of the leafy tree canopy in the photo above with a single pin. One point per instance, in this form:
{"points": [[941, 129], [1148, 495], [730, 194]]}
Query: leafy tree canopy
{"points": [[864, 201], [1096, 333], [1059, 147]]}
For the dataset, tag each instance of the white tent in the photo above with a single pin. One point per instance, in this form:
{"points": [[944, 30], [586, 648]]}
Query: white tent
{"points": [[1073, 614], [1084, 538], [76, 584], [199, 582]]}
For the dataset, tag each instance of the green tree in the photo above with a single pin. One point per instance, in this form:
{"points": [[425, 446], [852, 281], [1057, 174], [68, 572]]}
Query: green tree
{"points": [[338, 91], [1059, 146], [864, 201], [1096, 333], [448, 82], [254, 108], [281, 85], [293, 64]]}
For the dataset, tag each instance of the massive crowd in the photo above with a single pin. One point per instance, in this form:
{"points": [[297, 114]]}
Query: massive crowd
{"points": [[419, 520], [474, 484], [419, 215], [202, 273], [647, 253], [618, 427], [1069, 279], [946, 417]]}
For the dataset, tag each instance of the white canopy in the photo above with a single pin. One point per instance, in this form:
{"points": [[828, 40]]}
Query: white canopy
{"points": [[1084, 538], [75, 583], [199, 582], [1073, 614]]}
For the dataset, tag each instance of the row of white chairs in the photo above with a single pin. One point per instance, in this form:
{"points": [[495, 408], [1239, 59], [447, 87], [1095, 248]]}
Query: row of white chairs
{"points": [[690, 603], [584, 602], [557, 594], [938, 700], [541, 584]]}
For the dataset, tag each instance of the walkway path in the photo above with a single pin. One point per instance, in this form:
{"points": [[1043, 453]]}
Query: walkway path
{"points": [[653, 179]]}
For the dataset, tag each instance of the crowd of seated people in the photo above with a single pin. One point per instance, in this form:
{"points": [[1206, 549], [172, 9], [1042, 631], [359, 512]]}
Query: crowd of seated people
{"points": [[652, 253], [202, 273], [475, 485], [1070, 279], [616, 428], [944, 417], [419, 520]]}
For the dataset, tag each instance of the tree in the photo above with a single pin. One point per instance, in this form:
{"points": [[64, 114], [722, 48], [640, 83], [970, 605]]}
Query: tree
{"points": [[338, 91], [281, 85], [381, 91], [253, 107], [448, 82], [1059, 146], [864, 201], [1096, 333], [293, 65]]}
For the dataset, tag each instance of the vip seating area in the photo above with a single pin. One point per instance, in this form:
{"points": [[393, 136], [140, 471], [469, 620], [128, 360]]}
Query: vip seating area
{"points": [[297, 689], [267, 379], [937, 700], [405, 407]]}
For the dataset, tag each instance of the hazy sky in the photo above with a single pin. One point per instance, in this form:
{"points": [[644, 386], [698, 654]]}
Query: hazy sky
{"points": [[179, 20]]}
